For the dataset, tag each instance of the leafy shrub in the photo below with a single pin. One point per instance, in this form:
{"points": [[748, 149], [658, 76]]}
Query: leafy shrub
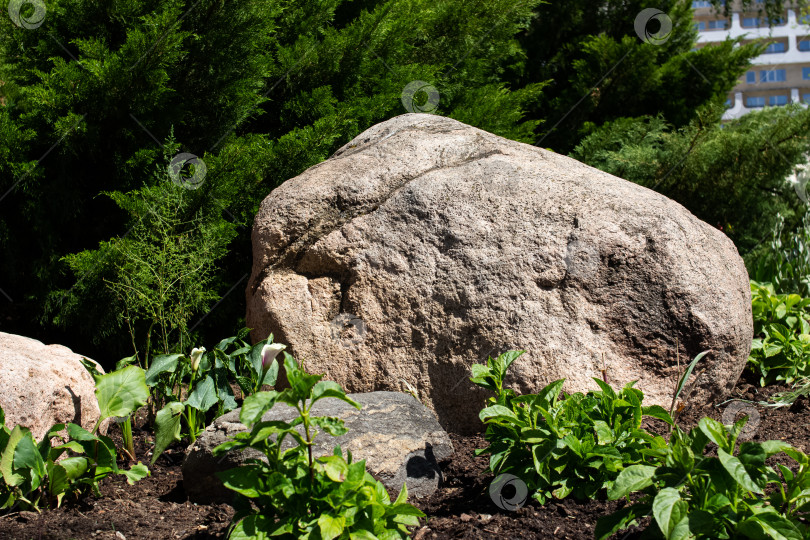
{"points": [[205, 379], [33, 473], [296, 496], [781, 346], [561, 445], [691, 495], [785, 262]]}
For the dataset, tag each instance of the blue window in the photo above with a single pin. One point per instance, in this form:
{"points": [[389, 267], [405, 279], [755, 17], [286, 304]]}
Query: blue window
{"points": [[729, 103], [722, 24], [804, 44], [754, 102], [806, 98], [777, 47], [772, 75], [701, 4], [777, 100], [700, 26], [751, 77], [805, 73], [750, 22]]}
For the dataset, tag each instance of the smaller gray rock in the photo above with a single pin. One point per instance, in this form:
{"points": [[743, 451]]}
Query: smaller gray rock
{"points": [[400, 439]]}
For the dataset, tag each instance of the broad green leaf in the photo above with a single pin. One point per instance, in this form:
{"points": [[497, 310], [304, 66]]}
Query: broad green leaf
{"points": [[121, 393], [254, 527], [603, 432], [137, 472], [256, 405], [245, 480], [633, 478], [325, 389], [715, 431], [7, 459], [167, 427], [204, 395], [74, 467], [331, 526], [330, 424], [334, 467], [657, 411], [161, 364], [499, 413], [505, 360], [735, 468], [607, 390], [670, 514], [362, 534], [58, 482], [27, 456], [769, 524]]}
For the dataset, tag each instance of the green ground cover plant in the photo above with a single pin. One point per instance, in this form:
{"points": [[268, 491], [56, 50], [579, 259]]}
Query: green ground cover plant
{"points": [[692, 495], [780, 350], [292, 494], [561, 444], [193, 390], [34, 476]]}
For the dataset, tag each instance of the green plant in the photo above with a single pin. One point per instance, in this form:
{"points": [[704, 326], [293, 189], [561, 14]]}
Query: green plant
{"points": [[691, 495], [204, 379], [563, 445], [35, 474], [294, 495], [785, 263], [781, 347]]}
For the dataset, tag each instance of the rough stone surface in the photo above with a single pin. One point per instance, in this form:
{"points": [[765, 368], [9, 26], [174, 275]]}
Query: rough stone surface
{"points": [[398, 437], [42, 385], [425, 245]]}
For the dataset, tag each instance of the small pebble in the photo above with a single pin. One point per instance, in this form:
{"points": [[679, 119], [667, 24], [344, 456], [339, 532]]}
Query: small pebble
{"points": [[120, 535], [465, 517]]}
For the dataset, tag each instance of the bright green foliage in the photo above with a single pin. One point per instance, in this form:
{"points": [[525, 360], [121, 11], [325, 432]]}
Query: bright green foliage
{"points": [[564, 445], [785, 262], [204, 386], [259, 90], [296, 496], [781, 348], [691, 495], [599, 70], [723, 174], [32, 476], [161, 274]]}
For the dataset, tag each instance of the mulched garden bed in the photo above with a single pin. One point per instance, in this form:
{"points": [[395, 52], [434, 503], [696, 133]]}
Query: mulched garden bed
{"points": [[157, 508]]}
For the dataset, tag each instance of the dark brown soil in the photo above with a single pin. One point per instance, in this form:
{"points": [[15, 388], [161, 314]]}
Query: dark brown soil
{"points": [[157, 508]]}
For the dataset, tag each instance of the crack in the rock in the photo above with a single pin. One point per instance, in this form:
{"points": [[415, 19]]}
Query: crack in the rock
{"points": [[333, 219]]}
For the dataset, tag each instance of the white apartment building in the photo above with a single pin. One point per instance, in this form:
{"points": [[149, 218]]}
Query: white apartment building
{"points": [[778, 77]]}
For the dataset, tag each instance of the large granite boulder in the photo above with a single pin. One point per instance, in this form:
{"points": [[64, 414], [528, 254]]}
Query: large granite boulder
{"points": [[425, 245], [42, 385], [398, 437]]}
